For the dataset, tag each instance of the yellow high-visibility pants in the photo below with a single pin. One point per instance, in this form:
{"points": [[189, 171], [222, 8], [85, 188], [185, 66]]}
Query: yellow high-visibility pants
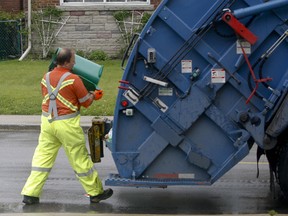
{"points": [[69, 134]]}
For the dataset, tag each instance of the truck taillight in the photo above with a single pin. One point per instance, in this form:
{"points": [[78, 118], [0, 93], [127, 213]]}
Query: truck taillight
{"points": [[124, 103]]}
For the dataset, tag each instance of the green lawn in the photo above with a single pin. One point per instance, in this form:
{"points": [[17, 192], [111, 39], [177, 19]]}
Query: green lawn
{"points": [[20, 90]]}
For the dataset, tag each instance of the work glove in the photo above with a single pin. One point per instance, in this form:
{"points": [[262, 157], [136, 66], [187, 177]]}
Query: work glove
{"points": [[98, 93]]}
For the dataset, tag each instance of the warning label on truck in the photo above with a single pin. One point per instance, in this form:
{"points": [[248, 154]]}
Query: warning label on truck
{"points": [[186, 66], [218, 75], [243, 44]]}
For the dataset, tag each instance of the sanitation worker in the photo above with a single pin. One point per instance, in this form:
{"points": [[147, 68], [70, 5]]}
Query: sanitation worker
{"points": [[63, 94]]}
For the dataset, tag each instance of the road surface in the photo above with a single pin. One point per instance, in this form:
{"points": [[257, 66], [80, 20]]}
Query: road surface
{"points": [[237, 192]]}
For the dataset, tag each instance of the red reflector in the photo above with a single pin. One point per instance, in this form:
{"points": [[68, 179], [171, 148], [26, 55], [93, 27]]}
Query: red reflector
{"points": [[124, 103]]}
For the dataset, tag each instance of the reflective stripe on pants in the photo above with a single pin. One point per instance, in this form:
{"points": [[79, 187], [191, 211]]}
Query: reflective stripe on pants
{"points": [[69, 134]]}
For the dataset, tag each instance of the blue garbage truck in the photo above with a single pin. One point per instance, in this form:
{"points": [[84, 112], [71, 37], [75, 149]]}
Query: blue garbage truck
{"points": [[204, 82]]}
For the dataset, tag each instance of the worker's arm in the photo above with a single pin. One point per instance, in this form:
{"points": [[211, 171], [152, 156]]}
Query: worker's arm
{"points": [[86, 98]]}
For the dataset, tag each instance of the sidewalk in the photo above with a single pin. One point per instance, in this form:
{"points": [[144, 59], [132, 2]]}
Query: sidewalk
{"points": [[32, 122]]}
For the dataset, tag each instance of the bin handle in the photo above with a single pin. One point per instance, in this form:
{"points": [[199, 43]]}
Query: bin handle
{"points": [[127, 50]]}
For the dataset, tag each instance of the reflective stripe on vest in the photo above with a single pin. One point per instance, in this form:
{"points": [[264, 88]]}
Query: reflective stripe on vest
{"points": [[85, 98], [67, 116], [53, 94], [64, 84]]}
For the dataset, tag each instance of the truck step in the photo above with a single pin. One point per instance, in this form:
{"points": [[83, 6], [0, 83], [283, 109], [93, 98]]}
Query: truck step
{"points": [[116, 180]]}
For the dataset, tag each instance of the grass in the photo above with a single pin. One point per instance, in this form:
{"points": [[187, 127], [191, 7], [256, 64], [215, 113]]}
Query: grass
{"points": [[20, 89]]}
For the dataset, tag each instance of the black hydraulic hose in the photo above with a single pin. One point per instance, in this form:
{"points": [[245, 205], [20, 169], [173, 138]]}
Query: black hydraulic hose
{"points": [[261, 72], [256, 63], [251, 87], [135, 58], [261, 60], [250, 79], [127, 50]]}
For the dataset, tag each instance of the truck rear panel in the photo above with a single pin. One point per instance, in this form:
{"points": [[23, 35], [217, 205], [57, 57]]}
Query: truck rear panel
{"points": [[202, 83]]}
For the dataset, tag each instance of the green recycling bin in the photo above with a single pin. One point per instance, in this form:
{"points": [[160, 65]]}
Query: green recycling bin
{"points": [[89, 72]]}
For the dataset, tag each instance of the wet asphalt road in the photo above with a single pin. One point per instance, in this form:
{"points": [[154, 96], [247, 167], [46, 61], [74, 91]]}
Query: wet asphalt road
{"points": [[237, 192]]}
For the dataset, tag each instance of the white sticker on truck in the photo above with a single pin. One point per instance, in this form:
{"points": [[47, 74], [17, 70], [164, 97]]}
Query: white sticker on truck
{"points": [[218, 75], [186, 66], [246, 46], [165, 91], [186, 175]]}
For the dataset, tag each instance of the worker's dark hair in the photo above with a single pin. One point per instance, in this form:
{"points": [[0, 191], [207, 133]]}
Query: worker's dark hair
{"points": [[64, 56]]}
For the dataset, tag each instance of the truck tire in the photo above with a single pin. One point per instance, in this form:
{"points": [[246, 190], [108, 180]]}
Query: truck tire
{"points": [[283, 170]]}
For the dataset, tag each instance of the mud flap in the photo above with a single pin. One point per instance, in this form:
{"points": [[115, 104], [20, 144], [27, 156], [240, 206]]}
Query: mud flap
{"points": [[271, 156], [259, 153]]}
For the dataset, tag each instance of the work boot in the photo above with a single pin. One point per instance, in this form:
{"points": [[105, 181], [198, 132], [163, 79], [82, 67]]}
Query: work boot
{"points": [[105, 195], [30, 200]]}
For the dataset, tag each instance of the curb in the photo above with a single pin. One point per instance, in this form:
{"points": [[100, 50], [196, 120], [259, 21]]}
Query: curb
{"points": [[33, 122]]}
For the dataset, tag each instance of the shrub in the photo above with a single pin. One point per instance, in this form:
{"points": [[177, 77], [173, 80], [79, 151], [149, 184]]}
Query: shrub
{"points": [[98, 55], [81, 53]]}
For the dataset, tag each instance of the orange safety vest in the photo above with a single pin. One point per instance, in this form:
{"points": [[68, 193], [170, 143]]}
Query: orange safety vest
{"points": [[63, 94]]}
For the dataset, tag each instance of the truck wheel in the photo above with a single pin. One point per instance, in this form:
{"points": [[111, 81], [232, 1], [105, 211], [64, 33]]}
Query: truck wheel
{"points": [[283, 170]]}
